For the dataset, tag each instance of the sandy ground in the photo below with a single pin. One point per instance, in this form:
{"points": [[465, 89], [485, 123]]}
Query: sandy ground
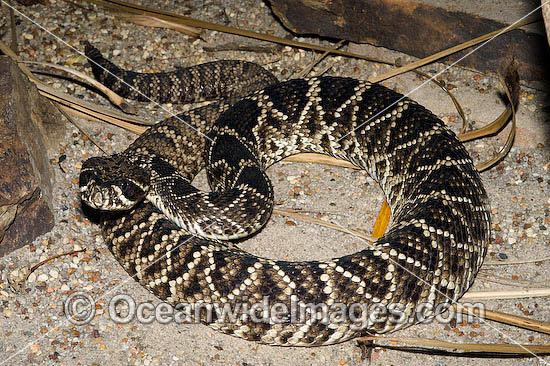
{"points": [[33, 325]]}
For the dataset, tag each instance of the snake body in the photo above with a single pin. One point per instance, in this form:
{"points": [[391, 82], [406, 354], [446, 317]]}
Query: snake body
{"points": [[429, 256]]}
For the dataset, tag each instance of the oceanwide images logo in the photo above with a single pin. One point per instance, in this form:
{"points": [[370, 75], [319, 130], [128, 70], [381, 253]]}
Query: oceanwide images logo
{"points": [[80, 308]]}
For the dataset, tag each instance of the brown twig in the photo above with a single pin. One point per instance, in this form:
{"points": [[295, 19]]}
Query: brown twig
{"points": [[294, 214], [234, 46], [515, 320], [113, 97], [506, 294], [152, 21], [318, 59], [428, 343], [82, 130], [47, 260], [522, 261]]}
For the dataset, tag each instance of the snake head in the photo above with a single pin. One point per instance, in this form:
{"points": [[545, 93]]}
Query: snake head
{"points": [[112, 183]]}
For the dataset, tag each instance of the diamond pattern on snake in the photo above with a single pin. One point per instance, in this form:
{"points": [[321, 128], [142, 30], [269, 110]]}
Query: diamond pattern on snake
{"points": [[174, 238]]}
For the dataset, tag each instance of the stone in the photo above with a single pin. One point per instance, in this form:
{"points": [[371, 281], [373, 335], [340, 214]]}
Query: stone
{"points": [[546, 16], [28, 124], [31, 2], [423, 27]]}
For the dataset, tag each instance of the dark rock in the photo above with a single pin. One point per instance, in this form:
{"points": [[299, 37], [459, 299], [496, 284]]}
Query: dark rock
{"points": [[546, 16], [31, 2], [28, 123], [420, 29]]}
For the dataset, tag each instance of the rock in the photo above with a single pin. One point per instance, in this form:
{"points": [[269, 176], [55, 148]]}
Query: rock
{"points": [[546, 15], [421, 28], [28, 124], [31, 2]]}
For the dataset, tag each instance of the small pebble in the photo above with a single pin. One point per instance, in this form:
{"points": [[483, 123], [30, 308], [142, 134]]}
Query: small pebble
{"points": [[35, 348], [43, 277], [32, 277], [502, 256], [293, 179]]}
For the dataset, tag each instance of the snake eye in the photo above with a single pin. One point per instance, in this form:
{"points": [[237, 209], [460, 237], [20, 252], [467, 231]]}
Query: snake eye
{"points": [[85, 178], [124, 187], [131, 191]]}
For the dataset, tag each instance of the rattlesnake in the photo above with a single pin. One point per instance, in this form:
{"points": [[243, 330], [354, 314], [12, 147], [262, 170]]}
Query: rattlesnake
{"points": [[429, 256]]}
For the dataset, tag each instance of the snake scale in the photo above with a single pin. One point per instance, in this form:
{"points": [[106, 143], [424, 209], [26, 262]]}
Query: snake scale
{"points": [[429, 255]]}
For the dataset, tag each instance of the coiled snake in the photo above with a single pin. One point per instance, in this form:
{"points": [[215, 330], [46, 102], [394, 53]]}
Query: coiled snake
{"points": [[430, 254]]}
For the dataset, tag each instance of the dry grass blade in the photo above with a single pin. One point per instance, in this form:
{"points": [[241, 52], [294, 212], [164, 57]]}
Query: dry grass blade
{"points": [[382, 220], [489, 129], [509, 349], [294, 214], [84, 133], [77, 106], [18, 283], [506, 294], [97, 117], [319, 159], [91, 111], [451, 95], [524, 261], [152, 21], [47, 260], [495, 279], [85, 109], [310, 67], [43, 87], [236, 46], [326, 68], [450, 51], [113, 97], [511, 87], [515, 320]]}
